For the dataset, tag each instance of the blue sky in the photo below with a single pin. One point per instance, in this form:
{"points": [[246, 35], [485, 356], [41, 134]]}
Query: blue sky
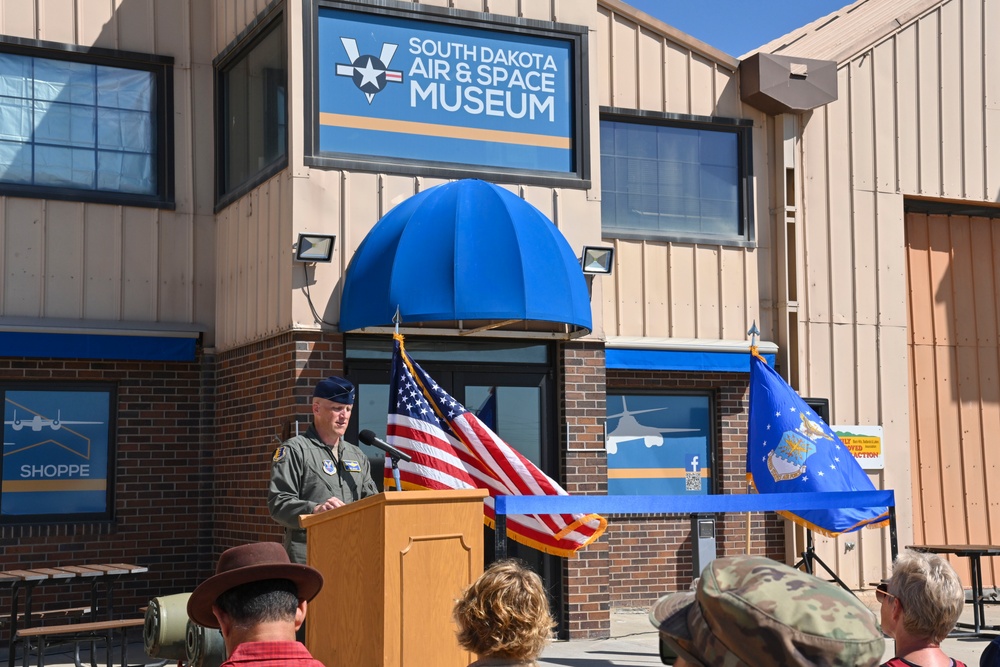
{"points": [[737, 26]]}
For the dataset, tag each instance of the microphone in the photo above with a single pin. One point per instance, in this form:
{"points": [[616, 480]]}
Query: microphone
{"points": [[369, 438]]}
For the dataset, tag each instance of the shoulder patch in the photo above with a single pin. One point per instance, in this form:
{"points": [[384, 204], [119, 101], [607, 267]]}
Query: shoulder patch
{"points": [[279, 454]]}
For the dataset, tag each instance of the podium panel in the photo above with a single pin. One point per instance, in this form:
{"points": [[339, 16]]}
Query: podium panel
{"points": [[432, 569], [393, 566]]}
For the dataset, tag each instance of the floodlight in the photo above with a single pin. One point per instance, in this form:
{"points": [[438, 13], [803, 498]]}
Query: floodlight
{"points": [[597, 259], [314, 247]]}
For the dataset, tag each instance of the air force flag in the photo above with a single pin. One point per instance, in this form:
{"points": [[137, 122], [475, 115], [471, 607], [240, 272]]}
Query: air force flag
{"points": [[791, 450]]}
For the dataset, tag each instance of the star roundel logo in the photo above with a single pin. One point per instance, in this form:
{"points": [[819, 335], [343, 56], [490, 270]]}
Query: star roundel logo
{"points": [[369, 73]]}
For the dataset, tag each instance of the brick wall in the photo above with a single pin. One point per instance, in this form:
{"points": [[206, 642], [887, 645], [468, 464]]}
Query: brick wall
{"points": [[194, 448], [663, 543], [263, 389], [194, 445], [586, 601], [641, 557], [162, 520]]}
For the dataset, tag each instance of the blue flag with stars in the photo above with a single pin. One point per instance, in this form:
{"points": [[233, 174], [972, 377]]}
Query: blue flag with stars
{"points": [[790, 449]]}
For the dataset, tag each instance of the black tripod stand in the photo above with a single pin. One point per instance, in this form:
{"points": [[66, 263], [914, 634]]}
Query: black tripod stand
{"points": [[809, 557]]}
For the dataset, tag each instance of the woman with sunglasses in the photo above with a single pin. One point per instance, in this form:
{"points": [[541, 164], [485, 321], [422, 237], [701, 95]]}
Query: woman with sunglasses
{"points": [[920, 605]]}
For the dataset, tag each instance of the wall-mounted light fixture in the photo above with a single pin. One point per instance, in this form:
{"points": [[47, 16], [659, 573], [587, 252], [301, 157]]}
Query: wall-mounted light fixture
{"points": [[597, 259], [314, 247]]}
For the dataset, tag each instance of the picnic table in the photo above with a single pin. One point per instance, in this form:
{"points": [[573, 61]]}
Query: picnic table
{"points": [[24, 625]]}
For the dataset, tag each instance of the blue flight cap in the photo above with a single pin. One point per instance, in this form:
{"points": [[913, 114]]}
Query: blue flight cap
{"points": [[335, 389]]}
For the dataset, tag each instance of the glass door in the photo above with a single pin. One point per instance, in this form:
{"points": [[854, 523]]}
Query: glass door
{"points": [[516, 413], [517, 400]]}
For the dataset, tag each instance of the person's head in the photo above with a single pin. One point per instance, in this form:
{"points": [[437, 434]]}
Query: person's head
{"points": [[254, 584], [332, 403], [923, 598], [267, 601], [750, 611], [991, 654], [505, 613]]}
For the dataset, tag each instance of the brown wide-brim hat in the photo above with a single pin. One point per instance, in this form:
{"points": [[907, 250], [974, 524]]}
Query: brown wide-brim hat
{"points": [[244, 564]]}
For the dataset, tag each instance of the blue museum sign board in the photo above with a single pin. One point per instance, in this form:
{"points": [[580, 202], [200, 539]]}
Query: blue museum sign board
{"points": [[425, 88]]}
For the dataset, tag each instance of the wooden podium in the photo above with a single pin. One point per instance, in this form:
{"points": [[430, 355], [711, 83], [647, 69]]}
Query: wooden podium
{"points": [[393, 566]]}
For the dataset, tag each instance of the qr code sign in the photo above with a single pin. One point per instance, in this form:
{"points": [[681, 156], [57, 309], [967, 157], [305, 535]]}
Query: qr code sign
{"points": [[693, 481]]}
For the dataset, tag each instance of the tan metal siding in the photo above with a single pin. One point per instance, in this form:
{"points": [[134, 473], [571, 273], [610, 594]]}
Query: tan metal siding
{"points": [[910, 121], [929, 85], [675, 290], [954, 292], [664, 289], [917, 119], [233, 16], [843, 33], [971, 81], [18, 18], [642, 68], [140, 250], [862, 124], [255, 265], [907, 111], [92, 24], [53, 23], [271, 295], [952, 76], [114, 263], [102, 250]]}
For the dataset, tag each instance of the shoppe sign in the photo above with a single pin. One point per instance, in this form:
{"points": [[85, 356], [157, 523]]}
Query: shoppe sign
{"points": [[56, 452], [414, 88]]}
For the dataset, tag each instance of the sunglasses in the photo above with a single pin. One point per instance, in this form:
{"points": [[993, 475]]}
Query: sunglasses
{"points": [[882, 592]]}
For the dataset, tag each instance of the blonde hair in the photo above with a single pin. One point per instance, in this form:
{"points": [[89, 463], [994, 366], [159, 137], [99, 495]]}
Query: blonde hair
{"points": [[505, 613], [930, 592]]}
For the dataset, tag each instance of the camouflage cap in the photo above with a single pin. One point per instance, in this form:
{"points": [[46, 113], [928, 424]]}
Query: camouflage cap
{"points": [[755, 612]]}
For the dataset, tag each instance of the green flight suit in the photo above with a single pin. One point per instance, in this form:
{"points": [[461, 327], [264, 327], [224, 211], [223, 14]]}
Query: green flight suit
{"points": [[304, 474]]}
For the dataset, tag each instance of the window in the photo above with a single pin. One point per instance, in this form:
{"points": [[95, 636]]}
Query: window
{"points": [[90, 127], [58, 458], [660, 444], [663, 177], [253, 113]]}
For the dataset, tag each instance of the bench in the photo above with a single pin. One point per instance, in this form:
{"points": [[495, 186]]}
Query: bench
{"points": [[77, 632], [45, 614]]}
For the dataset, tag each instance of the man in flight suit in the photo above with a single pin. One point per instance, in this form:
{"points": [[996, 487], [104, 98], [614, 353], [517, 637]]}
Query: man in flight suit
{"points": [[319, 470]]}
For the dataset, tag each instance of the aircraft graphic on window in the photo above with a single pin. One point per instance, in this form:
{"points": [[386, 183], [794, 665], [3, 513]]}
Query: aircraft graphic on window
{"points": [[629, 428], [38, 422]]}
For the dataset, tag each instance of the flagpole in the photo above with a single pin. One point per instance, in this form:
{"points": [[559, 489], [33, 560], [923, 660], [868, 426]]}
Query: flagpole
{"points": [[394, 460], [753, 333]]}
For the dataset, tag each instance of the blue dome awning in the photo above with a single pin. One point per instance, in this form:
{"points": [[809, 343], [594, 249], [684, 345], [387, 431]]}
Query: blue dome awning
{"points": [[468, 252]]}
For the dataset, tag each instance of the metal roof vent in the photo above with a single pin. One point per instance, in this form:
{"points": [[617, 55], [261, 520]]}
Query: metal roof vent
{"points": [[783, 84]]}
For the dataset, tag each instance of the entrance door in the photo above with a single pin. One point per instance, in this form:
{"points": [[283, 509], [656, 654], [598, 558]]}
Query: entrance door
{"points": [[514, 412], [507, 383]]}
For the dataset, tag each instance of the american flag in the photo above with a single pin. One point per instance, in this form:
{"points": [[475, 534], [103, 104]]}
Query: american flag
{"points": [[453, 449]]}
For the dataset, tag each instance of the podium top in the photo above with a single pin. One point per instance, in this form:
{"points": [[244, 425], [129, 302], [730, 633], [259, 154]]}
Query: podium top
{"points": [[395, 498]]}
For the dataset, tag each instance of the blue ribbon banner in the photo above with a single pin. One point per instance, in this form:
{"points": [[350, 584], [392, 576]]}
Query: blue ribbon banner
{"points": [[765, 502], [395, 87]]}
